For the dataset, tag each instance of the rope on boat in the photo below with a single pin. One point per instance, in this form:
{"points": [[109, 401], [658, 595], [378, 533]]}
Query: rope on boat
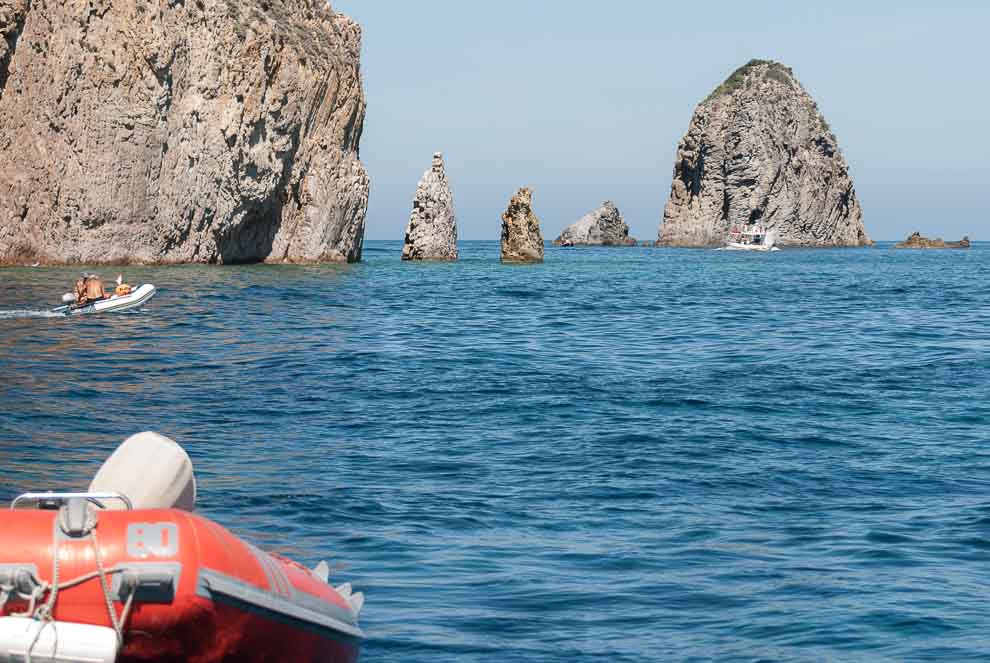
{"points": [[45, 613]]}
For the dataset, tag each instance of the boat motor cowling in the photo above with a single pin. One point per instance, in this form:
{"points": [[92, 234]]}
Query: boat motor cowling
{"points": [[152, 471], [68, 298]]}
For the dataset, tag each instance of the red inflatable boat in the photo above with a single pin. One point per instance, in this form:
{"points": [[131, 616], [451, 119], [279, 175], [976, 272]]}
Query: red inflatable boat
{"points": [[82, 583]]}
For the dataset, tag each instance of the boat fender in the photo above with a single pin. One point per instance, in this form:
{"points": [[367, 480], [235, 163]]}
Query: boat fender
{"points": [[53, 641]]}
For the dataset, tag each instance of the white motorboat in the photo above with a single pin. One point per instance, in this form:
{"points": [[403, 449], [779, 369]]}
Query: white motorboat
{"points": [[137, 297], [751, 238]]}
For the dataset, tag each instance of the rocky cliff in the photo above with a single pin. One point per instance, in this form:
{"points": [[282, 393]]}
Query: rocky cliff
{"points": [[180, 131], [432, 230], [759, 151], [603, 227], [917, 241], [522, 240]]}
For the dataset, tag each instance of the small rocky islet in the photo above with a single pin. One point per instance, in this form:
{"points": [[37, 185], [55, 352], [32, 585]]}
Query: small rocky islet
{"points": [[917, 241], [602, 227]]}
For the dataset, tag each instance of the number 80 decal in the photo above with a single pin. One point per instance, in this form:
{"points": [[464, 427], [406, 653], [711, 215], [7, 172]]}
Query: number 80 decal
{"points": [[152, 539]]}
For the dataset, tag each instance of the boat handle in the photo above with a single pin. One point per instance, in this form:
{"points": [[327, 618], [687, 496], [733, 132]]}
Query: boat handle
{"points": [[92, 497]]}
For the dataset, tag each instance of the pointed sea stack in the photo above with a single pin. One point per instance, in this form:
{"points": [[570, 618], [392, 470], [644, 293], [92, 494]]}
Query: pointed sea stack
{"points": [[521, 238], [432, 230], [758, 151], [603, 227]]}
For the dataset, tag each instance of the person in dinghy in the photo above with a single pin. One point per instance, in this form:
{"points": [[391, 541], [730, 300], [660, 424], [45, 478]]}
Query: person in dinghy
{"points": [[89, 289]]}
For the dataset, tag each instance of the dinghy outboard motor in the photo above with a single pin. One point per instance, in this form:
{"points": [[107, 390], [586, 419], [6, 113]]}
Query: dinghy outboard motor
{"points": [[153, 471], [68, 298]]}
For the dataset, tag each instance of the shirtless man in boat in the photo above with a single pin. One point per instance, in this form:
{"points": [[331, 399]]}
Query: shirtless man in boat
{"points": [[89, 288]]}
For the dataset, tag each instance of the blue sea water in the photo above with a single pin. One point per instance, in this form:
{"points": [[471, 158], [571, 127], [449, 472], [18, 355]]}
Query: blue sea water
{"points": [[621, 454]]}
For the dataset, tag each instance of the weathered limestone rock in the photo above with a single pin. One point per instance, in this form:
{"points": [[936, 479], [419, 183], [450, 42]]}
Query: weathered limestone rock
{"points": [[432, 230], [183, 131], [916, 241], [603, 227], [759, 151], [521, 238]]}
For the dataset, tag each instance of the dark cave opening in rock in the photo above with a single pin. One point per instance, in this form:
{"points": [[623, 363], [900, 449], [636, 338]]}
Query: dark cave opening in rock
{"points": [[250, 239]]}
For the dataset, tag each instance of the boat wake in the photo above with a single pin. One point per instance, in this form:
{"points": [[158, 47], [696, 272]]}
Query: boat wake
{"points": [[21, 314]]}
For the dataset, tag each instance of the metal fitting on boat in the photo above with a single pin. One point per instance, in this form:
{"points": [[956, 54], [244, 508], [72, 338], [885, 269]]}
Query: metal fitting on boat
{"points": [[148, 582], [21, 579]]}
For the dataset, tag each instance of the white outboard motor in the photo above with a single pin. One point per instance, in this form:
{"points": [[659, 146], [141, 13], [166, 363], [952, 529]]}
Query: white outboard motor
{"points": [[150, 469], [68, 298]]}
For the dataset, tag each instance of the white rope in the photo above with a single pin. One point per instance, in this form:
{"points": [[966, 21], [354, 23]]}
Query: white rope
{"points": [[118, 625], [45, 613]]}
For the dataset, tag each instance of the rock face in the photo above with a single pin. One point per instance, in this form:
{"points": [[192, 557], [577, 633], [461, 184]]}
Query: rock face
{"points": [[759, 151], [603, 227], [214, 131], [432, 230], [916, 241], [521, 238]]}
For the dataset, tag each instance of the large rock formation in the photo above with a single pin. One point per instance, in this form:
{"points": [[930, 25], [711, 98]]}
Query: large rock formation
{"points": [[432, 230], [521, 237], [180, 131], [759, 151], [916, 241], [603, 227]]}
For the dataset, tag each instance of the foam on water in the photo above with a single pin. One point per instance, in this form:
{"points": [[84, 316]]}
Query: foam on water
{"points": [[22, 314]]}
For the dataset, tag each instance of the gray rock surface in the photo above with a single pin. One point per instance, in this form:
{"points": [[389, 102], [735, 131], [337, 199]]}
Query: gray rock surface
{"points": [[432, 230], [180, 131], [521, 237], [603, 227], [759, 151]]}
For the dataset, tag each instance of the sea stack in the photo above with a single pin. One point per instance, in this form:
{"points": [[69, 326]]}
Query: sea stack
{"points": [[432, 230], [759, 152], [521, 238], [917, 241], [603, 227], [173, 132]]}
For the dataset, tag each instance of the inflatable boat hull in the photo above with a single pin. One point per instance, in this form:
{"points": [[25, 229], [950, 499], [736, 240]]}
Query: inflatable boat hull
{"points": [[138, 297], [199, 593]]}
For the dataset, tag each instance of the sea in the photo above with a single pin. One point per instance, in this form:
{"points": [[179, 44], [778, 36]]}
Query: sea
{"points": [[621, 454]]}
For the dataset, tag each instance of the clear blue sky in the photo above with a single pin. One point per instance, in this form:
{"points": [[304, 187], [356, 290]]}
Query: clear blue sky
{"points": [[586, 101]]}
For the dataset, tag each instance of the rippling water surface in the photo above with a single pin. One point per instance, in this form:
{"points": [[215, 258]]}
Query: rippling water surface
{"points": [[621, 454]]}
